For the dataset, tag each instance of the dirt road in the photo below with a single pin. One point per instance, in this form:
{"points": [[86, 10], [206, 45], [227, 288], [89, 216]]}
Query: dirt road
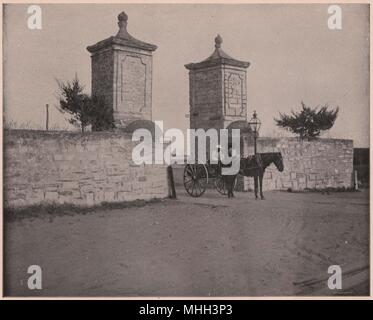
{"points": [[209, 246]]}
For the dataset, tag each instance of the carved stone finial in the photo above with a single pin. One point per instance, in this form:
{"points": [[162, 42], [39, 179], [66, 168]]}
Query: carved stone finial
{"points": [[122, 24], [122, 16], [218, 41]]}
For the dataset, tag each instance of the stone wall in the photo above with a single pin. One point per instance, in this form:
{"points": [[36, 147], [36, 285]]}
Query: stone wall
{"points": [[322, 163], [316, 164], [66, 167]]}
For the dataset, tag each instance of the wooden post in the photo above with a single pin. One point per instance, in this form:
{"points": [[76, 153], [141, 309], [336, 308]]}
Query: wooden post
{"points": [[171, 182], [356, 181], [47, 117]]}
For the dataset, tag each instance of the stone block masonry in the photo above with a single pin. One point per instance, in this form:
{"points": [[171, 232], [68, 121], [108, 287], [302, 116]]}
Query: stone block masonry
{"points": [[68, 167], [317, 164], [217, 90], [122, 73]]}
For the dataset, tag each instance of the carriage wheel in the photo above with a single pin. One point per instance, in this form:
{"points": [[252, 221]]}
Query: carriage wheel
{"points": [[220, 185], [195, 179]]}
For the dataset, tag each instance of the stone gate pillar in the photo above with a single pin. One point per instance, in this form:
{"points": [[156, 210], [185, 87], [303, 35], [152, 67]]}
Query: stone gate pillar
{"points": [[122, 74], [217, 90], [218, 97]]}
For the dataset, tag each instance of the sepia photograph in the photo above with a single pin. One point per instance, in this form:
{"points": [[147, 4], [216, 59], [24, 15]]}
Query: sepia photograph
{"points": [[186, 150]]}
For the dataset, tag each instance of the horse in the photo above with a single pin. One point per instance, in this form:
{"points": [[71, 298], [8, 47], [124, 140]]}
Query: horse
{"points": [[255, 166]]}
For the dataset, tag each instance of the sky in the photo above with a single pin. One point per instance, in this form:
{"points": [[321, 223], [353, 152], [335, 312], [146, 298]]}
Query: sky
{"points": [[294, 57]]}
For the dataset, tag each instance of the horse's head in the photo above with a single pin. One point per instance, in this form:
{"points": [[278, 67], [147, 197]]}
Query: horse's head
{"points": [[278, 161]]}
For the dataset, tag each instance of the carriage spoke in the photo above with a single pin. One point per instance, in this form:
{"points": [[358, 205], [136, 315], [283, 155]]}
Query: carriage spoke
{"points": [[192, 167], [198, 185], [188, 183], [189, 170], [193, 189], [190, 188], [187, 179], [220, 185], [195, 177]]}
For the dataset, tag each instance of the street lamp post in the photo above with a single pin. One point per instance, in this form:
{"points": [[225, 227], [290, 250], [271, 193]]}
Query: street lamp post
{"points": [[254, 124]]}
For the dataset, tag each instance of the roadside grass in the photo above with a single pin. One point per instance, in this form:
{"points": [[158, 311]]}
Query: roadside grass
{"points": [[322, 190], [55, 209]]}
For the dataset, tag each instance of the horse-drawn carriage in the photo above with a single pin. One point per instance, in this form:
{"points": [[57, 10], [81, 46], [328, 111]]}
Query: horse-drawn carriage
{"points": [[197, 176]]}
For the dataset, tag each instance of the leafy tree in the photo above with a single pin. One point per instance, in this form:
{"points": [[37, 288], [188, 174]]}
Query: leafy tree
{"points": [[74, 102], [309, 122], [83, 109]]}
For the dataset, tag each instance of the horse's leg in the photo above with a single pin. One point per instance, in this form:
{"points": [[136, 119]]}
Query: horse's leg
{"points": [[261, 185], [226, 185], [229, 190], [232, 186], [256, 186]]}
